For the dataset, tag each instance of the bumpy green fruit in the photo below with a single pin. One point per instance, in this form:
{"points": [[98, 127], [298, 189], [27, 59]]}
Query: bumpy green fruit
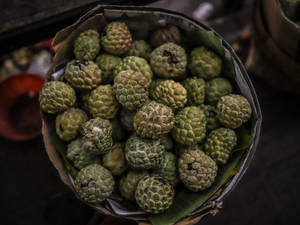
{"points": [[128, 183], [94, 183], [114, 160], [167, 142], [80, 157], [154, 194], [220, 143], [131, 89], [134, 63], [68, 123], [153, 85], [116, 38], [82, 74], [170, 93], [107, 64], [205, 63], [117, 131], [87, 45], [197, 171], [211, 117], [233, 110], [195, 90], [97, 136], [153, 120], [190, 126], [168, 60], [143, 153], [216, 88], [56, 96], [126, 118], [168, 168], [141, 49], [102, 102]]}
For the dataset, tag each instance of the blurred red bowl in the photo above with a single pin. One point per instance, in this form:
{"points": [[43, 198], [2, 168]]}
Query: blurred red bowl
{"points": [[19, 106]]}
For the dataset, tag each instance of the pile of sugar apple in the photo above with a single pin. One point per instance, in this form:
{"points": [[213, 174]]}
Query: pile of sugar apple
{"points": [[141, 119]]}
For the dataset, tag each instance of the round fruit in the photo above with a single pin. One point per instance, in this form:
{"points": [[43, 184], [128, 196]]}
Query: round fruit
{"points": [[141, 49], [114, 160], [216, 88], [56, 96], [94, 184], [68, 123], [153, 120], [197, 171], [211, 117], [107, 64], [195, 90], [166, 34], [87, 45], [233, 110]]}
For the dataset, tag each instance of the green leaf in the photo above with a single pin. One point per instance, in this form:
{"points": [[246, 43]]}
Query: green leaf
{"points": [[186, 202], [244, 139]]}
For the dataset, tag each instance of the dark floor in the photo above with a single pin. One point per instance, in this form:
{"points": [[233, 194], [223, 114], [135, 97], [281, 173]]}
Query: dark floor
{"points": [[32, 193]]}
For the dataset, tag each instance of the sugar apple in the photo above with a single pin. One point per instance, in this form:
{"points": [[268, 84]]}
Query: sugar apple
{"points": [[153, 120], [131, 89], [82, 74], [167, 169], [154, 194], [69, 122], [170, 93], [141, 49], [94, 183], [114, 160], [97, 136], [87, 45], [211, 116], [167, 142], [129, 182], [233, 110], [205, 63], [190, 126], [220, 143], [153, 85], [197, 171], [126, 119], [116, 38], [118, 132], [143, 153], [195, 90], [216, 88], [168, 61], [80, 157], [134, 63], [107, 64], [166, 34], [103, 103], [56, 96]]}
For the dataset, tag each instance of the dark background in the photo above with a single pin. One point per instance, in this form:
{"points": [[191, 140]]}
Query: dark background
{"points": [[31, 191]]}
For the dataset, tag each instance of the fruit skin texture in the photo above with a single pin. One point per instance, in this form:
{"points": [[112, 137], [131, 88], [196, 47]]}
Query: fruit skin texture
{"points": [[131, 89], [170, 93], [195, 88], [126, 119], [166, 34], [197, 171], [168, 61], [56, 96], [211, 117], [114, 160], [80, 157], [103, 103], [82, 74], [116, 38], [190, 126], [134, 63], [128, 183], [153, 120], [87, 45], [69, 122], [94, 183], [97, 136], [154, 194], [107, 64], [216, 88], [140, 48], [205, 63], [168, 169], [143, 153], [233, 110], [219, 144]]}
